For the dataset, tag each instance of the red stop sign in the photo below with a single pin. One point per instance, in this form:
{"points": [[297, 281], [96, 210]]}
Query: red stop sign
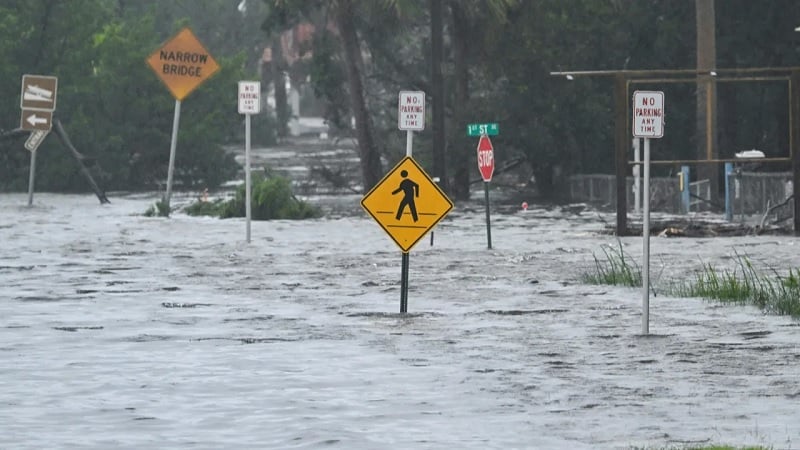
{"points": [[485, 158]]}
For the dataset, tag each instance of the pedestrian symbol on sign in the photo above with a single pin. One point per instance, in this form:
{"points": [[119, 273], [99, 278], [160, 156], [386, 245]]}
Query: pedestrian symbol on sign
{"points": [[406, 203], [410, 190]]}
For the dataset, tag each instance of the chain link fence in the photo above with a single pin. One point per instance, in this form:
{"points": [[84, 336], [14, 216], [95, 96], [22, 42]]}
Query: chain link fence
{"points": [[750, 193]]}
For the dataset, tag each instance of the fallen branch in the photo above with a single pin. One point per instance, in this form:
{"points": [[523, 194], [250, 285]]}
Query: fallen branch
{"points": [[770, 210], [11, 134], [62, 136]]}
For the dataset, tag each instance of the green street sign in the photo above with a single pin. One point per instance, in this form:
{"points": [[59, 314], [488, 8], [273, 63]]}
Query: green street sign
{"points": [[478, 129]]}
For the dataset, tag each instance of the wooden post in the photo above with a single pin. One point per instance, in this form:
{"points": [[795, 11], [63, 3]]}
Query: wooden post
{"points": [[706, 113], [621, 141], [794, 143]]}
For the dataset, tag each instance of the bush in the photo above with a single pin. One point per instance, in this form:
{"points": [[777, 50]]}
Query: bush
{"points": [[205, 208], [272, 198], [159, 209]]}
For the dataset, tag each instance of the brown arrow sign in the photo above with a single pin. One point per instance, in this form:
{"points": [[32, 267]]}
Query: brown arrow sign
{"points": [[36, 120]]}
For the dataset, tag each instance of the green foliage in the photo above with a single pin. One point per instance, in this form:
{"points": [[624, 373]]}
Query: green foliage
{"points": [[158, 209], [120, 116], [329, 80], [206, 208], [745, 285], [114, 108], [615, 269], [272, 199]]}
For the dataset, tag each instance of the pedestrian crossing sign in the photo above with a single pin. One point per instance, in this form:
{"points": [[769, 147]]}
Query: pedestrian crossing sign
{"points": [[406, 203]]}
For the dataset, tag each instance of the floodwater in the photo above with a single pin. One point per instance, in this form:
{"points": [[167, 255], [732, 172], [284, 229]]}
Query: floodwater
{"points": [[123, 331]]}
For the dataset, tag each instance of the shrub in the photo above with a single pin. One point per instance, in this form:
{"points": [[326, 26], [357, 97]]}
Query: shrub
{"points": [[272, 198], [159, 209], [205, 208]]}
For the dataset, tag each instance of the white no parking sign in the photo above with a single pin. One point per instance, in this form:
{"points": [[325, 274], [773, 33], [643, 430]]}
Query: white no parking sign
{"points": [[648, 114], [648, 122]]}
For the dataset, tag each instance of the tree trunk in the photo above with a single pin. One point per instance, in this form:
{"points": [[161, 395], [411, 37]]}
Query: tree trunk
{"points": [[464, 154], [370, 156], [279, 82], [437, 87]]}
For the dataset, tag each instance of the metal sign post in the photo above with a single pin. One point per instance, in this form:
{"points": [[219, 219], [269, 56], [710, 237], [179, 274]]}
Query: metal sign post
{"points": [[249, 103], [182, 64], [485, 164], [648, 122], [407, 204], [646, 241], [37, 102], [173, 145], [31, 178], [486, 168], [410, 117], [421, 204], [637, 171]]}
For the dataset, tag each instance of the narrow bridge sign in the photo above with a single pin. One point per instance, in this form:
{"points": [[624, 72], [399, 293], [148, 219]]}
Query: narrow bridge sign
{"points": [[182, 63]]}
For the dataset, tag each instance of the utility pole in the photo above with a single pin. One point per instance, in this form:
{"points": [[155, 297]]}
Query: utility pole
{"points": [[706, 115], [437, 88]]}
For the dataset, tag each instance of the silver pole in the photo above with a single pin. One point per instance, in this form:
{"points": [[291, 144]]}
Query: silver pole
{"points": [[409, 141], [247, 206], [172, 147], [646, 242], [637, 171], [31, 178]]}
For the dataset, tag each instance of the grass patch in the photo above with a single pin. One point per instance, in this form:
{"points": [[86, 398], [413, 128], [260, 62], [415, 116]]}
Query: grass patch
{"points": [[616, 268], [773, 293]]}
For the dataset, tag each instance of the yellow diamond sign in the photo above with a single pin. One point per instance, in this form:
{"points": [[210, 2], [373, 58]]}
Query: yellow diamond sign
{"points": [[182, 64], [406, 203]]}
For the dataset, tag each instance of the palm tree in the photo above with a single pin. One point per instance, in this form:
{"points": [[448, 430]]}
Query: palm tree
{"points": [[464, 16], [284, 14], [344, 13]]}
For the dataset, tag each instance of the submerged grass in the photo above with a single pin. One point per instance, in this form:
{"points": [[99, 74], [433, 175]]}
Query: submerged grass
{"points": [[616, 269], [775, 294]]}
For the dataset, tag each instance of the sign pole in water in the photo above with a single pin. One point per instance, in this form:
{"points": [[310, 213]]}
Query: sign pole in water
{"points": [[407, 204], [410, 117], [182, 64], [485, 165], [648, 122], [249, 103], [173, 146], [37, 102], [31, 178], [637, 170]]}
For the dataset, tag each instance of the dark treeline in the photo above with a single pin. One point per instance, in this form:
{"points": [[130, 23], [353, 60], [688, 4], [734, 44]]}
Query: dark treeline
{"points": [[495, 58]]}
